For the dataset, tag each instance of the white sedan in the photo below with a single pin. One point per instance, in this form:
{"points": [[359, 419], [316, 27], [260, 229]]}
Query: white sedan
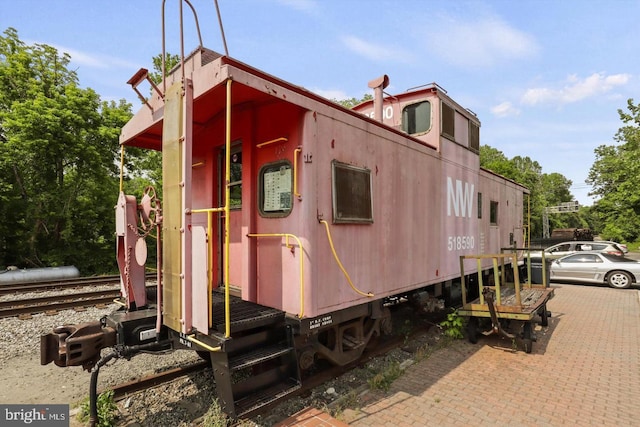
{"points": [[595, 267]]}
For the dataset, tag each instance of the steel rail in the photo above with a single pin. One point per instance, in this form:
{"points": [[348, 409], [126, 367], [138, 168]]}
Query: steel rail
{"points": [[121, 391], [62, 284], [57, 302], [57, 284]]}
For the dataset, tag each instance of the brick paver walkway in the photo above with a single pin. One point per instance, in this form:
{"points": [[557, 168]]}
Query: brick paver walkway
{"points": [[583, 370]]}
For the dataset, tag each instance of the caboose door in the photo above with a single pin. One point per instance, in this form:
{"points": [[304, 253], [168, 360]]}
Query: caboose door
{"points": [[235, 218]]}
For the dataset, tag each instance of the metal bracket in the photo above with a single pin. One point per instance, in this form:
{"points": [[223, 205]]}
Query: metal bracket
{"points": [[137, 78]]}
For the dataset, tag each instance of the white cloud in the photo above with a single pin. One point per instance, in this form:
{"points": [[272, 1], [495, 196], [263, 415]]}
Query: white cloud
{"points": [[482, 42], [505, 109], [300, 5], [90, 60], [375, 51], [331, 93], [574, 89]]}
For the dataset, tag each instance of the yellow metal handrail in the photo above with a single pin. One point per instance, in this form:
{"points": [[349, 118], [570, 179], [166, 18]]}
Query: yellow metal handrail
{"points": [[335, 256], [227, 201], [193, 339], [225, 209], [281, 139], [497, 273], [287, 236]]}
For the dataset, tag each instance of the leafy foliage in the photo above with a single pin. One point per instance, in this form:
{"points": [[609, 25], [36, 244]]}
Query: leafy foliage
{"points": [[58, 177], [107, 409], [352, 102], [170, 61], [546, 189], [453, 325], [615, 177]]}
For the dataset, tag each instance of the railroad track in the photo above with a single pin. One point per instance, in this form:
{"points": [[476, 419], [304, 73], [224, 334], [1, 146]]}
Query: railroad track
{"points": [[63, 284], [124, 390], [57, 302]]}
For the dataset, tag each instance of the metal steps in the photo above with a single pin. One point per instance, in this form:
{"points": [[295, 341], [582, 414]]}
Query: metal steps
{"points": [[258, 356], [266, 397], [258, 364]]}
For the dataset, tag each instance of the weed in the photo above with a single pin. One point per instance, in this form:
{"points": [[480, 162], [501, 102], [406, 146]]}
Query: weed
{"points": [[215, 416], [107, 409], [454, 325], [384, 379], [406, 329]]}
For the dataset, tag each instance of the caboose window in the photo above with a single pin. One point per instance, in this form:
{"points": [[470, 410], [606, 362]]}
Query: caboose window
{"points": [[275, 182], [474, 137], [235, 175], [448, 121], [479, 205], [235, 184], [351, 193], [416, 118], [493, 213]]}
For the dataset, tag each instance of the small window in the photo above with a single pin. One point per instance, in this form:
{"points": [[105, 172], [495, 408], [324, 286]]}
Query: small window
{"points": [[448, 121], [479, 205], [582, 258], [493, 213], [235, 184], [235, 175], [474, 137], [416, 118], [559, 248], [275, 182], [352, 202]]}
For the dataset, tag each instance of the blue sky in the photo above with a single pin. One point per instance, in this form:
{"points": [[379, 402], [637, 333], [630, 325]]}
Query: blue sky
{"points": [[546, 78]]}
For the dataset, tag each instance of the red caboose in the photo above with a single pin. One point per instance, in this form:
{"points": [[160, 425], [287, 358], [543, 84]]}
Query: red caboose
{"points": [[287, 222]]}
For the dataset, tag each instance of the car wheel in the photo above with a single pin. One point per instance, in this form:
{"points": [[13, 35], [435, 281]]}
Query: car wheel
{"points": [[619, 279]]}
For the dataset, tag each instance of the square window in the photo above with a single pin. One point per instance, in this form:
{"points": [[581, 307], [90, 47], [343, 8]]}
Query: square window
{"points": [[493, 213], [352, 202]]}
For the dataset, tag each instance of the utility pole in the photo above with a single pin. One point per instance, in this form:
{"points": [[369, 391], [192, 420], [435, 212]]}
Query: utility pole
{"points": [[572, 206]]}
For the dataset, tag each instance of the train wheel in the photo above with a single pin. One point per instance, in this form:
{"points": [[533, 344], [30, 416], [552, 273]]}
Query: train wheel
{"points": [[386, 322], [472, 330], [307, 358]]}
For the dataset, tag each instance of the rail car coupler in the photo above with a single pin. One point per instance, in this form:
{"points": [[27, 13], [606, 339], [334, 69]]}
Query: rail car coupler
{"points": [[74, 345]]}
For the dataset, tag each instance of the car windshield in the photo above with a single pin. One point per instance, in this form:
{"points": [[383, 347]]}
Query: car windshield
{"points": [[615, 258]]}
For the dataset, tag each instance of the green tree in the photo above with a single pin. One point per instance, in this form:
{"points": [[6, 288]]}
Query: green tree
{"points": [[57, 172], [170, 61], [545, 189], [352, 102], [615, 177]]}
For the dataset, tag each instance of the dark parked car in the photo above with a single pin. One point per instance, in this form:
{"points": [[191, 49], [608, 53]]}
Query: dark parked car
{"points": [[596, 267]]}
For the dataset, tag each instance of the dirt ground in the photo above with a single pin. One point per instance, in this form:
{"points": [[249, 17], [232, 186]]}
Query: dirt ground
{"points": [[24, 380]]}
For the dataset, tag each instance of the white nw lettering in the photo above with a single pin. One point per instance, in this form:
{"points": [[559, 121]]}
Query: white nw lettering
{"points": [[462, 200]]}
